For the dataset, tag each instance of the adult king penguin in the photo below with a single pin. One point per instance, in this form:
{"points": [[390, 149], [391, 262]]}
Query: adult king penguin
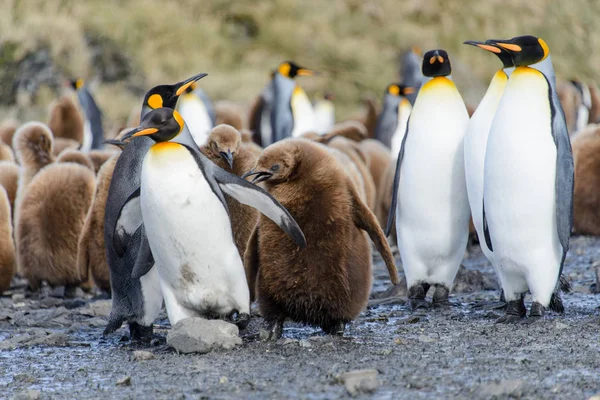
{"points": [[477, 135], [93, 133], [430, 195], [188, 226], [283, 110], [135, 300], [391, 124], [528, 182]]}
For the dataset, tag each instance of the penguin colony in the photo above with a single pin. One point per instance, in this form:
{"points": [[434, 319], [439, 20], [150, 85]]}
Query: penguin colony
{"points": [[189, 209]]}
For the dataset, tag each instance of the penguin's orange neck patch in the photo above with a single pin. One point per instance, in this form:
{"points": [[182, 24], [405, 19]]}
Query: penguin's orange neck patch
{"points": [[165, 146]]}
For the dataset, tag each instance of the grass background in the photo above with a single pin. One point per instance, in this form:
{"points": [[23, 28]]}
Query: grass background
{"points": [[354, 44]]}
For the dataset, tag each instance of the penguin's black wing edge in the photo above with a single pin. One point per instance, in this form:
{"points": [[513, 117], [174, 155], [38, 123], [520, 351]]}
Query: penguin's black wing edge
{"points": [[392, 212], [144, 260]]}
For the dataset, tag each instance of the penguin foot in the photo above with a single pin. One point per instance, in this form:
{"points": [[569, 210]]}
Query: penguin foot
{"points": [[241, 320], [416, 295], [440, 297], [515, 311], [536, 310], [140, 333], [274, 329], [335, 328]]}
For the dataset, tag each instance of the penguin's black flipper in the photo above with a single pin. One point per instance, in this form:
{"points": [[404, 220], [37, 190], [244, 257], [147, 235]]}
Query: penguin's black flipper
{"points": [[565, 174], [128, 221], [392, 213], [93, 114], [486, 230], [248, 194], [145, 260]]}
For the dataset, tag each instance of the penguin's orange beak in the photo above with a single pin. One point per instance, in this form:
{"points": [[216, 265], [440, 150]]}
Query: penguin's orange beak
{"points": [[484, 46], [305, 72]]}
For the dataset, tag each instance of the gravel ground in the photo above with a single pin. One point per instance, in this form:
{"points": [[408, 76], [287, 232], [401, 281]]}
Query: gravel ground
{"points": [[53, 348]]}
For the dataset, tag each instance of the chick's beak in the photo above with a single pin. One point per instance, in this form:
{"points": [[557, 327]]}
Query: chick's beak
{"points": [[227, 156], [259, 176]]}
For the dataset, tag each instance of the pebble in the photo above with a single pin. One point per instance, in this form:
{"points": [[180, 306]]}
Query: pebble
{"points": [[27, 395], [125, 381], [506, 388], [305, 343], [18, 297], [199, 335], [142, 355], [360, 381]]}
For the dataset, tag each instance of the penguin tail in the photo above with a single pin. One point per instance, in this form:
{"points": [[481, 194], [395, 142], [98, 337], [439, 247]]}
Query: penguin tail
{"points": [[556, 303], [114, 323], [564, 285]]}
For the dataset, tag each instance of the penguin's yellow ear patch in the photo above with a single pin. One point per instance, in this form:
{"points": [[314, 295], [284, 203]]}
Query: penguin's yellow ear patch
{"points": [[284, 69], [155, 101], [394, 89], [79, 83], [511, 47], [544, 47]]}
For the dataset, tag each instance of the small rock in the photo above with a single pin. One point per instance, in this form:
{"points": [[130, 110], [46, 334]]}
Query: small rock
{"points": [[595, 397], [560, 325], [360, 381], [425, 339], [76, 327], [142, 355], [199, 335], [99, 308], [54, 339], [223, 380], [27, 395], [305, 343], [18, 297], [506, 388], [413, 319], [96, 322], [285, 341], [263, 334], [125, 381], [24, 378]]}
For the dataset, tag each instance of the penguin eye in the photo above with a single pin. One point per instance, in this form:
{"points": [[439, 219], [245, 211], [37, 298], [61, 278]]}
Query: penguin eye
{"points": [[275, 168]]}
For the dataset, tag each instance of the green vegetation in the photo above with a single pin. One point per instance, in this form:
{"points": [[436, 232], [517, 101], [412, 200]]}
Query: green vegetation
{"points": [[354, 44]]}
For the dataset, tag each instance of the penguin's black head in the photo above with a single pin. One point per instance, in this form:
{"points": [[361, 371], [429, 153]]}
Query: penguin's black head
{"points": [[161, 125], [76, 84], [397, 89], [290, 70], [502, 54], [167, 95], [524, 50], [436, 63]]}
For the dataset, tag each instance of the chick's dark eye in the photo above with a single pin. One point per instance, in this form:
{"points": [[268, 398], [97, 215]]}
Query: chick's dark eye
{"points": [[275, 168]]}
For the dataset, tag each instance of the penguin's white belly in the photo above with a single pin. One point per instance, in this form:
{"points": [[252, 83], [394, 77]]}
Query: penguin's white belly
{"points": [[324, 116], [475, 147], [303, 113], [190, 236], [519, 188], [432, 217], [88, 137], [196, 117], [404, 110]]}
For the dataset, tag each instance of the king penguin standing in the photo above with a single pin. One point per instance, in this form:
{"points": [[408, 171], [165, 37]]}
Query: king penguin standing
{"points": [[528, 183], [430, 195]]}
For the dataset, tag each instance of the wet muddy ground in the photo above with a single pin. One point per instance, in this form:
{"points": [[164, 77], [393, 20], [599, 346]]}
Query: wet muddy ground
{"points": [[52, 348]]}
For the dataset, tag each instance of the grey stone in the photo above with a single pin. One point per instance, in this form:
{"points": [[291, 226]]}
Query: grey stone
{"points": [[45, 318], [18, 297], [27, 395], [305, 343], [96, 322], [360, 381], [54, 339], [286, 341], [199, 335], [99, 308], [124, 381], [142, 355], [510, 387]]}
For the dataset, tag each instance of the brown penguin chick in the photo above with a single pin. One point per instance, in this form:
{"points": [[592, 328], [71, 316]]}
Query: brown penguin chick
{"points": [[379, 160], [224, 148], [7, 244], [595, 110], [567, 94], [62, 144], [33, 146], [77, 157], [9, 180], [228, 113], [369, 120], [49, 222], [586, 194], [91, 253], [8, 127], [352, 170], [99, 157], [249, 144], [65, 119], [353, 130], [351, 149], [6, 153], [327, 284]]}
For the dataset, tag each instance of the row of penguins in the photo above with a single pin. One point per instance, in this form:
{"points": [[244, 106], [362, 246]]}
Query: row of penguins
{"points": [[208, 217]]}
